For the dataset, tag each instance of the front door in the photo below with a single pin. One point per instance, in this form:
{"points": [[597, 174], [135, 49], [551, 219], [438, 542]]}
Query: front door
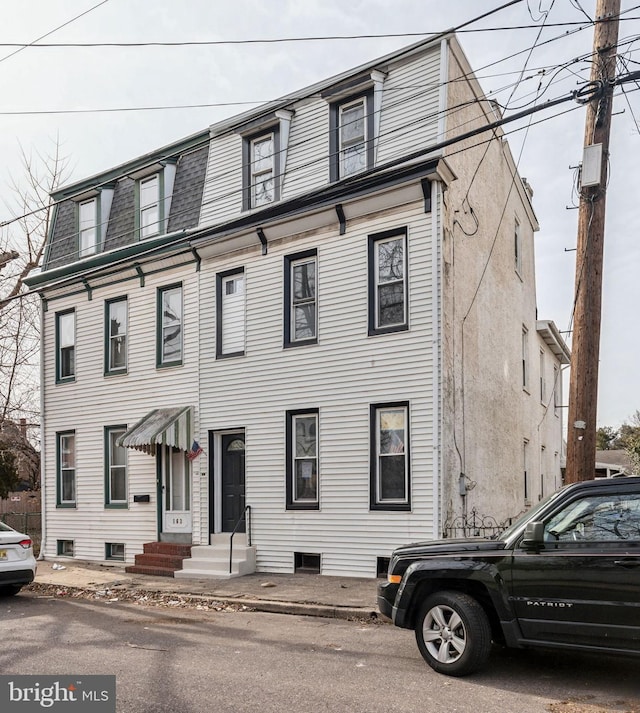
{"points": [[232, 480], [176, 487]]}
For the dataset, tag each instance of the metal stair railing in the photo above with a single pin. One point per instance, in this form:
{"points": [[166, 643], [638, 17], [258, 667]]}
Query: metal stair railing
{"points": [[246, 516]]}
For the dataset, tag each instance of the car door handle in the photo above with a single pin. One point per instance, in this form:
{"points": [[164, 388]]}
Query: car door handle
{"points": [[630, 562]]}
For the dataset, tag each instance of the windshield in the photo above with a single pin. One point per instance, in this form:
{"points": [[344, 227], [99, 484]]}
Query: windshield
{"points": [[529, 515], [5, 528]]}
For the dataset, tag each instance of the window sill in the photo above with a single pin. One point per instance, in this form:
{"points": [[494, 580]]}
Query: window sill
{"points": [[303, 506], [388, 330], [67, 506], [169, 365], [390, 507], [116, 506], [121, 372], [301, 343]]}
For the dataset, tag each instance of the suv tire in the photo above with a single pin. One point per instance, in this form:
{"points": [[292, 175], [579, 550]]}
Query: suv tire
{"points": [[453, 633]]}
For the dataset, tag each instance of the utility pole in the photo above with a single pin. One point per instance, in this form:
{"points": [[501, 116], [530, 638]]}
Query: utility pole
{"points": [[585, 343]]}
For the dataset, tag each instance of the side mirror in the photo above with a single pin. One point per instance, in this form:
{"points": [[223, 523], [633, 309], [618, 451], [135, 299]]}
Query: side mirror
{"points": [[533, 536]]}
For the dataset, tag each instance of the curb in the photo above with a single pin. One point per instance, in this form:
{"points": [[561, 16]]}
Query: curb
{"points": [[273, 606]]}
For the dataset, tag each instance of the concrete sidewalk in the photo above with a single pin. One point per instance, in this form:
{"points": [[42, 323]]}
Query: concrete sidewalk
{"points": [[308, 594]]}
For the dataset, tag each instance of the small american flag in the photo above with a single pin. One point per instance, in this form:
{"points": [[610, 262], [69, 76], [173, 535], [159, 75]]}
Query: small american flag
{"points": [[195, 451]]}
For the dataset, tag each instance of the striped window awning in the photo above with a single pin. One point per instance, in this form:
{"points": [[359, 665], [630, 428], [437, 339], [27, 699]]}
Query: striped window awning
{"points": [[162, 426]]}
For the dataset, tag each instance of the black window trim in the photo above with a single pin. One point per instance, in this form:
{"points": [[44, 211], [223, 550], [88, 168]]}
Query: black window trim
{"points": [[247, 139], [290, 474], [372, 280], [334, 128], [288, 261], [374, 503]]}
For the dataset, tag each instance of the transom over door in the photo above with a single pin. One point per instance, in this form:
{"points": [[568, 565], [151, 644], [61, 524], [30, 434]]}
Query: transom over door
{"points": [[232, 445]]}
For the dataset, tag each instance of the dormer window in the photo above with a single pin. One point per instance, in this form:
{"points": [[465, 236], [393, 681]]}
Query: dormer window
{"points": [[150, 206], [262, 170], [352, 137], [354, 124], [88, 227]]}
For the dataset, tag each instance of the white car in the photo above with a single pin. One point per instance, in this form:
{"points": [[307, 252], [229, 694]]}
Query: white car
{"points": [[17, 563]]}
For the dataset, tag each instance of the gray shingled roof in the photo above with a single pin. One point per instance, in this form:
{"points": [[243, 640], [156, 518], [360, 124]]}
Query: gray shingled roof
{"points": [[184, 212]]}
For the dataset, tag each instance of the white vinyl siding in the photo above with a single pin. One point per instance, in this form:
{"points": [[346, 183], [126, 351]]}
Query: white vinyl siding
{"points": [[409, 119], [257, 392], [125, 399], [410, 104]]}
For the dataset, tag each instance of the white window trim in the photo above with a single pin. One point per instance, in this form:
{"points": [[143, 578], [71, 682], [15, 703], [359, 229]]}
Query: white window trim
{"points": [[88, 226], [155, 227], [342, 145], [271, 170]]}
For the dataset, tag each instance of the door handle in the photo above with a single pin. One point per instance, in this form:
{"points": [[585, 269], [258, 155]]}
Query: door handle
{"points": [[628, 563]]}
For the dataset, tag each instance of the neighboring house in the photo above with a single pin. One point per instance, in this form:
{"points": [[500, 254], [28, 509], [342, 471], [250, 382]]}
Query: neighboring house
{"points": [[611, 463], [341, 314]]}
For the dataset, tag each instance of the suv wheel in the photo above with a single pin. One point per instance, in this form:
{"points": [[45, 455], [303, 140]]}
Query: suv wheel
{"points": [[453, 633]]}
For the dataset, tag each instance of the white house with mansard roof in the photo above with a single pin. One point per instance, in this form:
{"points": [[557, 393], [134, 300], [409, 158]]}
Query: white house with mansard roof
{"points": [[312, 325]]}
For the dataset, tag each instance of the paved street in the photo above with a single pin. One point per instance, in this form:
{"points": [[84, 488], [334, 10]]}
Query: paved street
{"points": [[192, 661]]}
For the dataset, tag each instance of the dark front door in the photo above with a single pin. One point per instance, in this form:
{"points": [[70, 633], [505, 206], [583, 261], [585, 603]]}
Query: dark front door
{"points": [[232, 445]]}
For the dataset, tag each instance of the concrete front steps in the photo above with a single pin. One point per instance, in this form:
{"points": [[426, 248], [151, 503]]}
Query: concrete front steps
{"points": [[212, 561], [160, 559]]}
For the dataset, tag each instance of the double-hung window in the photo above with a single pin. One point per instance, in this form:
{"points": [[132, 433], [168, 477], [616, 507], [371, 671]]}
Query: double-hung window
{"points": [[169, 327], [230, 313], [388, 282], [115, 463], [302, 459], [261, 169], [116, 318], [301, 299], [66, 469], [65, 346], [390, 473], [88, 229], [150, 206], [351, 136]]}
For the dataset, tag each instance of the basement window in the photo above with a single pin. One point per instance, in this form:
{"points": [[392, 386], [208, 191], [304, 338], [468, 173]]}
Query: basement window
{"points": [[114, 551], [305, 563], [65, 548]]}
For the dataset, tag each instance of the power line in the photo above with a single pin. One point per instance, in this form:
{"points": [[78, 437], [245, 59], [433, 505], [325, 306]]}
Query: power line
{"points": [[55, 29]]}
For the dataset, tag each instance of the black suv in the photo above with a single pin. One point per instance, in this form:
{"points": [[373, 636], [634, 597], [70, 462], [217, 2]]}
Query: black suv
{"points": [[565, 575]]}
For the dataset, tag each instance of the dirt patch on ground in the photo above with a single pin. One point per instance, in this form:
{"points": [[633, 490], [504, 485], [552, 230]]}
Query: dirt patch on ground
{"points": [[589, 704]]}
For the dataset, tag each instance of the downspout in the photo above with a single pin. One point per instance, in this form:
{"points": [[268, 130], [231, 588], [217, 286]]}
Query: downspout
{"points": [[437, 235], [43, 489], [437, 241]]}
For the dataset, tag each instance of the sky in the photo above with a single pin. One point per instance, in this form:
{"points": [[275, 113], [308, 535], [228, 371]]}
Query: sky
{"points": [[38, 84]]}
